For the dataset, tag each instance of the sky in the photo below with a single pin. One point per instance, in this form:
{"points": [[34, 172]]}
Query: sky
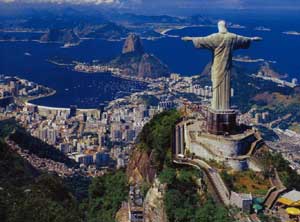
{"points": [[152, 5]]}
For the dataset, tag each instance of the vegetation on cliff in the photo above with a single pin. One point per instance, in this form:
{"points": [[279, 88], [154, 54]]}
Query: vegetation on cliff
{"points": [[247, 182], [184, 201], [153, 148], [29, 195], [106, 195], [288, 176], [157, 136]]}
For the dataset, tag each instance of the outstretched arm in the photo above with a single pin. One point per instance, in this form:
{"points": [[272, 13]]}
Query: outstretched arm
{"points": [[209, 42], [187, 38], [256, 39], [242, 42]]}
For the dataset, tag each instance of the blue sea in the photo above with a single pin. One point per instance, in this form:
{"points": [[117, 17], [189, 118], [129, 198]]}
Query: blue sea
{"points": [[30, 59]]}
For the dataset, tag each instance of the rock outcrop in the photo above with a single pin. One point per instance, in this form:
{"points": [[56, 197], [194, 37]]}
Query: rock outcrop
{"points": [[154, 203], [140, 169], [135, 62], [133, 44]]}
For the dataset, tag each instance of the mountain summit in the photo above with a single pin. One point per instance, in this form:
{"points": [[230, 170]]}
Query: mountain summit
{"points": [[133, 43], [134, 61]]}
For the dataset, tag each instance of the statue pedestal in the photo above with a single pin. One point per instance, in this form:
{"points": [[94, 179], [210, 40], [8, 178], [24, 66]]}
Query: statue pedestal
{"points": [[221, 122]]}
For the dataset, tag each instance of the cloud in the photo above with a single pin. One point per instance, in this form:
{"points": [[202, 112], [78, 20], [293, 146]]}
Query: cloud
{"points": [[159, 4], [97, 2]]}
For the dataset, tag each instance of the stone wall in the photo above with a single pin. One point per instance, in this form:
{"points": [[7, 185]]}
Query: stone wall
{"points": [[227, 146]]}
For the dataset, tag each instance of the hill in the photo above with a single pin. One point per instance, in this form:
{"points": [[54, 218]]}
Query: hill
{"points": [[107, 30], [60, 36], [184, 200], [29, 195], [135, 62]]}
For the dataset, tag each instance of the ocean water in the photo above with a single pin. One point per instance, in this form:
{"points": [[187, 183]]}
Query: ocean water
{"points": [[30, 59], [280, 49], [276, 46]]}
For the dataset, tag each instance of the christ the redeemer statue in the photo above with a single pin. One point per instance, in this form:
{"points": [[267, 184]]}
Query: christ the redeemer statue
{"points": [[222, 45]]}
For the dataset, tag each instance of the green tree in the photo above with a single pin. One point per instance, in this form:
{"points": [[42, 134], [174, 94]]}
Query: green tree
{"points": [[168, 175], [157, 135], [106, 195]]}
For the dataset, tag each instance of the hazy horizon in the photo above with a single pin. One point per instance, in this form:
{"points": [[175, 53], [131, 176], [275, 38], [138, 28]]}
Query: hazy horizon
{"points": [[176, 7]]}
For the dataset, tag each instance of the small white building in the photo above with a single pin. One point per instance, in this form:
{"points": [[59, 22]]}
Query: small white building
{"points": [[241, 200]]}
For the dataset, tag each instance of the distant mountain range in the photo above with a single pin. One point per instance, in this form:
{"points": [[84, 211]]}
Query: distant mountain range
{"points": [[163, 19], [60, 36], [93, 23], [107, 30]]}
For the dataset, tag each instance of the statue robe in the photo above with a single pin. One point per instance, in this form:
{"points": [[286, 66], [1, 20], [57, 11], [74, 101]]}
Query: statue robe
{"points": [[222, 45]]}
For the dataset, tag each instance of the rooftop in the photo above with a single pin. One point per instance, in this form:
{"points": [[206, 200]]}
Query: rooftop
{"points": [[291, 198]]}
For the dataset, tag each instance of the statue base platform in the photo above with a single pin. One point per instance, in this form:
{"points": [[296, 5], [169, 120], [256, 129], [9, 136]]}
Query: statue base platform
{"points": [[234, 151], [221, 122]]}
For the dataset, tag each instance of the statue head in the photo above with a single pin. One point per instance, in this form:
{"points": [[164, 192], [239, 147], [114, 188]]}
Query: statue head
{"points": [[222, 26]]}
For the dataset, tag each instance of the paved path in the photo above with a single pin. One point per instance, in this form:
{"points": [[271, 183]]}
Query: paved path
{"points": [[213, 176]]}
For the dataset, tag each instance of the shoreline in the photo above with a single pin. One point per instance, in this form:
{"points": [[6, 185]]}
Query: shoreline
{"points": [[180, 27], [29, 99], [115, 72], [59, 108], [30, 102]]}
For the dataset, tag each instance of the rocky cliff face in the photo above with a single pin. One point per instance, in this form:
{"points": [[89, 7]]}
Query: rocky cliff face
{"points": [[135, 62], [133, 44], [154, 203], [140, 168], [61, 36]]}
